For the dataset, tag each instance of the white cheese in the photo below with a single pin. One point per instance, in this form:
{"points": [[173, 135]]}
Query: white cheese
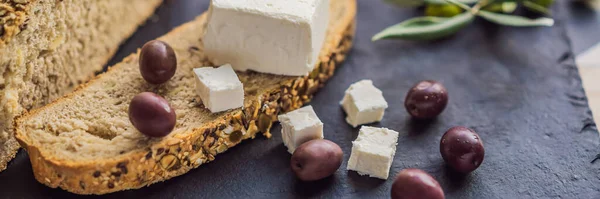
{"points": [[282, 37], [363, 103], [373, 152], [371, 160], [219, 88], [378, 136], [300, 126]]}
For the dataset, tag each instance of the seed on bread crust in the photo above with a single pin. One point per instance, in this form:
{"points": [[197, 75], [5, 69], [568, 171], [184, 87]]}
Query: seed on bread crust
{"points": [[96, 174], [149, 155], [123, 167], [235, 137], [169, 162]]}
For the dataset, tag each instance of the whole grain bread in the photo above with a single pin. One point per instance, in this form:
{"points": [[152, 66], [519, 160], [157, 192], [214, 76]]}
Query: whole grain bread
{"points": [[48, 47], [85, 144]]}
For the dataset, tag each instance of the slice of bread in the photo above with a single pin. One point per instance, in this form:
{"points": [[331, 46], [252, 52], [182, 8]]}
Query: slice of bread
{"points": [[48, 47], [84, 143]]}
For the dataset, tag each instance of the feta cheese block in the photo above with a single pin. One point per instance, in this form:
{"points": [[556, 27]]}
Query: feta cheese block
{"points": [[300, 126], [363, 103], [219, 88], [282, 37], [373, 152]]}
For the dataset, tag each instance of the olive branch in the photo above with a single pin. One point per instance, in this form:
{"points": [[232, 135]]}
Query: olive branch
{"points": [[446, 17]]}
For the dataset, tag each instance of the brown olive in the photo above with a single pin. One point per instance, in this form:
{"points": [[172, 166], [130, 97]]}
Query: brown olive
{"points": [[415, 183], [316, 159], [426, 99], [151, 114], [462, 149], [158, 62]]}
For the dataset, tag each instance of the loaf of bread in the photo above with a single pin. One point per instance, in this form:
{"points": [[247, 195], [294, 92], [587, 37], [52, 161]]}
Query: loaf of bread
{"points": [[48, 47], [84, 142]]}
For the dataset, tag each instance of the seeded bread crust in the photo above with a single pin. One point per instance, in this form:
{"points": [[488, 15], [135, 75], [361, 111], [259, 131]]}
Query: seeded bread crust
{"points": [[188, 146], [48, 47]]}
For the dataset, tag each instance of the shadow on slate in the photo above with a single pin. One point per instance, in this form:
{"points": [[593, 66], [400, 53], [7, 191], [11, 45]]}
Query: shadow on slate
{"points": [[517, 87]]}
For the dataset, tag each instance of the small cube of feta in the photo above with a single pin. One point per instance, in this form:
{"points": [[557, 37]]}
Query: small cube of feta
{"points": [[219, 88], [363, 103], [371, 160], [300, 126], [373, 152]]}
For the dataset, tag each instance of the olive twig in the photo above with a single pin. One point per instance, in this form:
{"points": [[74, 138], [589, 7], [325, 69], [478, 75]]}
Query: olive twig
{"points": [[446, 17], [478, 6]]}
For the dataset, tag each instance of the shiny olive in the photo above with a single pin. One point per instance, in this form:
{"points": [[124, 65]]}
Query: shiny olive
{"points": [[415, 183], [462, 149], [151, 115], [426, 99], [442, 10], [158, 62], [316, 159]]}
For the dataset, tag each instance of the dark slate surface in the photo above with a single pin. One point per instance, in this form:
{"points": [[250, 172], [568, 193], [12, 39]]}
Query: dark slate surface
{"points": [[583, 25], [519, 88]]}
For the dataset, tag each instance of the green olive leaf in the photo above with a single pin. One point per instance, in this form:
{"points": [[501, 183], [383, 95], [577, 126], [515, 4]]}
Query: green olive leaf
{"points": [[512, 20], [536, 8], [426, 28]]}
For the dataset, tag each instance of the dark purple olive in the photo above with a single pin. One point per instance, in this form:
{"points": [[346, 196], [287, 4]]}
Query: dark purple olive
{"points": [[158, 62], [316, 159], [151, 114], [462, 149], [426, 100], [415, 183]]}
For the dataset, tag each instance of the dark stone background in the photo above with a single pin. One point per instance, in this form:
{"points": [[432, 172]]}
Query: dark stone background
{"points": [[517, 87]]}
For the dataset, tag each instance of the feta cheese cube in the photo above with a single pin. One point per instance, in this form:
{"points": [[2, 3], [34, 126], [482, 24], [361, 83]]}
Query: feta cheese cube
{"points": [[371, 160], [300, 126], [219, 88], [282, 37], [378, 136], [373, 152], [363, 103]]}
